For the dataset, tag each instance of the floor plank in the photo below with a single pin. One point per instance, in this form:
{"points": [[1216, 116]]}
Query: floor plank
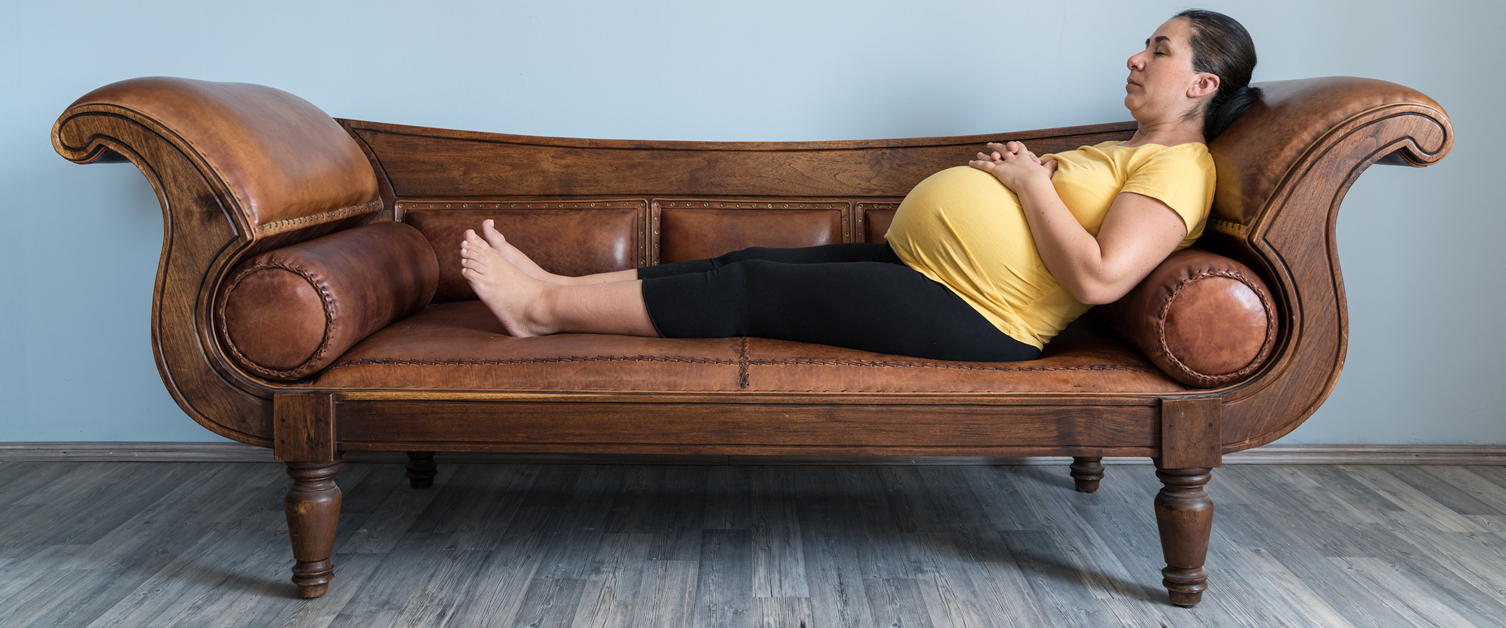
{"points": [[724, 593], [612, 588]]}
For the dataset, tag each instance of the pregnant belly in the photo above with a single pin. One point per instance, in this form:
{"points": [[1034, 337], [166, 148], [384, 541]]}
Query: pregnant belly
{"points": [[962, 227]]}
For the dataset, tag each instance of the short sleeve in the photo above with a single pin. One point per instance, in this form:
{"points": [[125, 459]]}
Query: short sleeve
{"points": [[1181, 178]]}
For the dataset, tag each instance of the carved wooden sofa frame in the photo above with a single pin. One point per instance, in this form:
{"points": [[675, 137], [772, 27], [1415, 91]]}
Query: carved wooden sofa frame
{"points": [[244, 171]]}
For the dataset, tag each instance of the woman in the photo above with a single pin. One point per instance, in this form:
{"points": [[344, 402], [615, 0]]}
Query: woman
{"points": [[985, 262]]}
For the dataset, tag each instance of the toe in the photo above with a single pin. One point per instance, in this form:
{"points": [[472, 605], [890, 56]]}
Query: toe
{"points": [[492, 236], [477, 244], [468, 259]]}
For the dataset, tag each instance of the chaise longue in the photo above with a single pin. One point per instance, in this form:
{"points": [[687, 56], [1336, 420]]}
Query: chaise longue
{"points": [[309, 298]]}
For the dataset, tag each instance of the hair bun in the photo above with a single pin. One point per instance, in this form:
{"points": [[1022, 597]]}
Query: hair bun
{"points": [[1222, 47]]}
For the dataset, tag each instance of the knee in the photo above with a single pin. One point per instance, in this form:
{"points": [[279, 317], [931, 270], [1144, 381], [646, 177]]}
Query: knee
{"points": [[742, 255], [747, 281]]}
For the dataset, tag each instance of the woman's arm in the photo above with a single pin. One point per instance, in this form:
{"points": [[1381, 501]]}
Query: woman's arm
{"points": [[1137, 233]]}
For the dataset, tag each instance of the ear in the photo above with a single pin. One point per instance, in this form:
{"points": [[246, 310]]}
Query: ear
{"points": [[1205, 84]]}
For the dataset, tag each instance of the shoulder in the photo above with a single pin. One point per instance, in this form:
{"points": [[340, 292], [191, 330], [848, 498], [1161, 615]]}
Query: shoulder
{"points": [[1101, 148], [1194, 151], [1191, 157]]}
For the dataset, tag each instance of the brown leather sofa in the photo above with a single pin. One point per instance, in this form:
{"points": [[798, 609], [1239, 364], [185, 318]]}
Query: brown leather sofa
{"points": [[309, 296]]}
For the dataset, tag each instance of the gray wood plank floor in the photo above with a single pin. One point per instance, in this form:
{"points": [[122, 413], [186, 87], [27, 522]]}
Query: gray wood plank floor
{"points": [[204, 544]]}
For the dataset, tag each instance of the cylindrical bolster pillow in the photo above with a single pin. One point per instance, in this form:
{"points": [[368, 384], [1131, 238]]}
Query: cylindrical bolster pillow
{"points": [[1205, 319], [288, 313]]}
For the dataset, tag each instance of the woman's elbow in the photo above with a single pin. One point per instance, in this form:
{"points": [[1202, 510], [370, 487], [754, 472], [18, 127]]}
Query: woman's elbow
{"points": [[1099, 293], [1095, 298]]}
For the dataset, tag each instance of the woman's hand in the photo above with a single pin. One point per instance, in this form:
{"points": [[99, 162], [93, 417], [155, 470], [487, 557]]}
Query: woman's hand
{"points": [[1013, 164]]}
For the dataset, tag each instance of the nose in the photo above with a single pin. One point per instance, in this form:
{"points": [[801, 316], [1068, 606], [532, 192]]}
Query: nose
{"points": [[1136, 62]]}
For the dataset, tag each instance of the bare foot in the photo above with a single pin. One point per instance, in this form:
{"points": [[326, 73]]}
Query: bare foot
{"points": [[518, 258], [508, 292]]}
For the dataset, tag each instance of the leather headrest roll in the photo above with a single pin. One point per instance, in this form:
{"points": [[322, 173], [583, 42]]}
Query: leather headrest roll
{"points": [[288, 313], [1205, 319]]}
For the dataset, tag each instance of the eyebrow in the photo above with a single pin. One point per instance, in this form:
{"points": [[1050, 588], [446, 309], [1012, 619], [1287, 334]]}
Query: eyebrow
{"points": [[1159, 38]]}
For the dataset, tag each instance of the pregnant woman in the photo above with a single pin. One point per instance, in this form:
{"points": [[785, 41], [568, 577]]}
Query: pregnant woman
{"points": [[984, 262]]}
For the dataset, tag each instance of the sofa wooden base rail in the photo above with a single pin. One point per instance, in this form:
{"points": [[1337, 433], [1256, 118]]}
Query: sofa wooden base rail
{"points": [[309, 299]]}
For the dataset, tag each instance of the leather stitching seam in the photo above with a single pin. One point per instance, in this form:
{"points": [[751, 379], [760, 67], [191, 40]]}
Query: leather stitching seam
{"points": [[1229, 224], [364, 208], [742, 363]]}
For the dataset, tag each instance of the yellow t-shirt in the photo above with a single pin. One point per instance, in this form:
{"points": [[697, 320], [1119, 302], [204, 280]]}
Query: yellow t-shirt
{"points": [[961, 227]]}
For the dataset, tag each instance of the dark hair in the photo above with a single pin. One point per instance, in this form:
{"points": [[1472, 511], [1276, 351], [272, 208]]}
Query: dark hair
{"points": [[1222, 47]]}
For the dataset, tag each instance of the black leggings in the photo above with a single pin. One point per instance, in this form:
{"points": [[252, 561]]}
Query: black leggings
{"points": [[856, 295]]}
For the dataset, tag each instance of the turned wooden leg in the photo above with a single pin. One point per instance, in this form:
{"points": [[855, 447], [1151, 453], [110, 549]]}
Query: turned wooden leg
{"points": [[421, 469], [313, 509], [1086, 472], [1184, 513]]}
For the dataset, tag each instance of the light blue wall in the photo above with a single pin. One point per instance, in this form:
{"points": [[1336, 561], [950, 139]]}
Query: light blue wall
{"points": [[79, 246]]}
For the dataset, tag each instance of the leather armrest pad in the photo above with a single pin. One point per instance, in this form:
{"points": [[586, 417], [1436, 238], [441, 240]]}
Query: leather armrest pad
{"points": [[287, 163], [288, 313], [1204, 319]]}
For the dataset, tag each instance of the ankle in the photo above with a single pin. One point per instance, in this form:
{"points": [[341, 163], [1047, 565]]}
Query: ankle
{"points": [[540, 311]]}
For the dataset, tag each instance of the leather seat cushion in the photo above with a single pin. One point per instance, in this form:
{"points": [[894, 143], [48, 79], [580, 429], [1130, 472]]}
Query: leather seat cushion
{"points": [[461, 346]]}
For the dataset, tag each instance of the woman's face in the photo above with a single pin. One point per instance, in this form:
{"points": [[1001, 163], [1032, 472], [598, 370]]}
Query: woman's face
{"points": [[1162, 84]]}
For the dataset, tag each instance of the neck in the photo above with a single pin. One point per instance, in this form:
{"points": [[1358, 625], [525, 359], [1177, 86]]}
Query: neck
{"points": [[1167, 133]]}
